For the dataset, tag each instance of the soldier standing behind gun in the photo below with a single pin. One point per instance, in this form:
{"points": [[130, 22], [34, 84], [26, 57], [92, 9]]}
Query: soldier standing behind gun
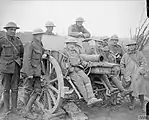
{"points": [[77, 74], [50, 26], [78, 30], [115, 48], [32, 69], [11, 54]]}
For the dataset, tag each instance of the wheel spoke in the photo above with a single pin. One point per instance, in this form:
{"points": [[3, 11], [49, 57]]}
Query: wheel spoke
{"points": [[49, 100], [51, 81], [52, 88], [52, 96]]}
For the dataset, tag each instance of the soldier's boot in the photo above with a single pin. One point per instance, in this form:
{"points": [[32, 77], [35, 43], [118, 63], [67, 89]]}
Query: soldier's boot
{"points": [[4, 116], [14, 97], [2, 100], [29, 106], [91, 96], [26, 99]]}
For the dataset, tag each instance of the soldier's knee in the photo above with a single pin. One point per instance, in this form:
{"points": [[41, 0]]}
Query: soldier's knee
{"points": [[6, 91], [37, 90], [14, 90]]}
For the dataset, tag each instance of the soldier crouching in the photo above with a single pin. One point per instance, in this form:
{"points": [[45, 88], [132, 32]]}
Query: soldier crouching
{"points": [[11, 54], [32, 69], [77, 74]]}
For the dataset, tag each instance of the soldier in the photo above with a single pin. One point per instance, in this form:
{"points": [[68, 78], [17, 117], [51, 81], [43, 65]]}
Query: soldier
{"points": [[50, 26], [32, 69], [115, 48], [105, 41], [78, 30], [11, 54], [108, 58], [133, 66], [77, 74]]}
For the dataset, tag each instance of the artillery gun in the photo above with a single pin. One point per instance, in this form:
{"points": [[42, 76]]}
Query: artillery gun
{"points": [[55, 80]]}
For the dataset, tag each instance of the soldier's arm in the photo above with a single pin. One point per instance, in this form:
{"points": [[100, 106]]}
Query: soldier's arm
{"points": [[86, 33], [123, 64], [72, 34], [29, 52], [142, 60], [21, 50]]}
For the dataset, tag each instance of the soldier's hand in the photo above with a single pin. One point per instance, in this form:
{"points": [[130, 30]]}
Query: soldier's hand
{"points": [[30, 76], [44, 55]]}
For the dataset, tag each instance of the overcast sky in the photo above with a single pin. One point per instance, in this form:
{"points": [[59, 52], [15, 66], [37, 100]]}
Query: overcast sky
{"points": [[102, 17]]}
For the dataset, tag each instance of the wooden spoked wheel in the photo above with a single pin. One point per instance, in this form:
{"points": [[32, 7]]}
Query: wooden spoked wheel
{"points": [[53, 86]]}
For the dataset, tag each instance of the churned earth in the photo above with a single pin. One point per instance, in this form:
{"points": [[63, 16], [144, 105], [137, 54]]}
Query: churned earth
{"points": [[118, 112]]}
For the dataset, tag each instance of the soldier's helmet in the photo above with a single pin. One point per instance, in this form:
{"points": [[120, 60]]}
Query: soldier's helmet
{"points": [[80, 19], [11, 25], [132, 42], [105, 38], [37, 31], [49, 24], [114, 37]]}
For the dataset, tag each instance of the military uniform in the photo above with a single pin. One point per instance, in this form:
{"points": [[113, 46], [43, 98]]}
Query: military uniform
{"points": [[117, 50], [32, 67], [78, 76], [10, 65], [51, 33], [74, 31]]}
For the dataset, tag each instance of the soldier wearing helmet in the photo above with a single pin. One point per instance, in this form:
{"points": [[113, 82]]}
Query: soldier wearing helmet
{"points": [[78, 30], [11, 55], [50, 26], [133, 65], [115, 48], [76, 73], [32, 70], [105, 41]]}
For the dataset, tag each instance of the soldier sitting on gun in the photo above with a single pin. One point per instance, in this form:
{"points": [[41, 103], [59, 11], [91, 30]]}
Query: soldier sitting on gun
{"points": [[77, 74], [116, 48]]}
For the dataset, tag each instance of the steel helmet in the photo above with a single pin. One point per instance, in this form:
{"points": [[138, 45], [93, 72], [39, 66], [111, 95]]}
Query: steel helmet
{"points": [[11, 25], [132, 42], [80, 19], [50, 24], [114, 37], [37, 31], [105, 38]]}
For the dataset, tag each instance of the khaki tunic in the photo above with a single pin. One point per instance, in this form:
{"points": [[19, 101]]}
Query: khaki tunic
{"points": [[116, 49], [9, 56], [131, 68], [74, 31], [51, 33], [32, 58]]}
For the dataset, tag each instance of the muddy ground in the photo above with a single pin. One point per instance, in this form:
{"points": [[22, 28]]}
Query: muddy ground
{"points": [[118, 112]]}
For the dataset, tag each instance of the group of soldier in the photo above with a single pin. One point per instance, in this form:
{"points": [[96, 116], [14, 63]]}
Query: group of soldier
{"points": [[15, 59]]}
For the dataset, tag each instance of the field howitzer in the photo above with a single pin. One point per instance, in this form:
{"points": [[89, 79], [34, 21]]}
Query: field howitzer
{"points": [[98, 66]]}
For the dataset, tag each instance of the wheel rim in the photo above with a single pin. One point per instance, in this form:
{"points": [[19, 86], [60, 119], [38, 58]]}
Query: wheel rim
{"points": [[53, 86]]}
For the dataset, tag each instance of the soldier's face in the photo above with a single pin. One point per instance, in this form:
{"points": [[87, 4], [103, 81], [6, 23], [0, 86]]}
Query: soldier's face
{"points": [[39, 37], [11, 31], [79, 23], [50, 28], [131, 47], [113, 42], [71, 46]]}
